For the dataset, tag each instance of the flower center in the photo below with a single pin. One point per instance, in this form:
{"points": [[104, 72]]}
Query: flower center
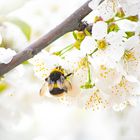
{"points": [[129, 55], [83, 63], [102, 44]]}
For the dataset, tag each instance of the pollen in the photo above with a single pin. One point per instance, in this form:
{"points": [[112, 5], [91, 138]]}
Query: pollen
{"points": [[122, 83], [95, 101], [129, 55], [83, 63], [102, 44], [102, 67], [123, 88], [104, 72]]}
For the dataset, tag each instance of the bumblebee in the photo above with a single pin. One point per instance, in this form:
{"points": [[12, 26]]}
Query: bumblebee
{"points": [[56, 82]]}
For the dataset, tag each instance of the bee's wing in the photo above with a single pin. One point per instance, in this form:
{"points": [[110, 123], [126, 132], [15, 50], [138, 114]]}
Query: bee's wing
{"points": [[63, 83], [67, 85], [51, 84], [43, 89], [46, 86]]}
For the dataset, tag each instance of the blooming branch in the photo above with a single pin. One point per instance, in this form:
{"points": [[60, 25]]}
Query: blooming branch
{"points": [[73, 22]]}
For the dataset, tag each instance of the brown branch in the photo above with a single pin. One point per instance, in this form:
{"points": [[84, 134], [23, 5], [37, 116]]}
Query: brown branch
{"points": [[71, 23]]}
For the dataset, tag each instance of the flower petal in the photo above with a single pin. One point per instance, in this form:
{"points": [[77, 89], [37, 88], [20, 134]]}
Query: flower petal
{"points": [[99, 30], [88, 45]]}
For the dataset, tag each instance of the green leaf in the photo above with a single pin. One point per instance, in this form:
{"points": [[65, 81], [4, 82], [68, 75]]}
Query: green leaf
{"points": [[130, 34], [23, 26], [120, 13], [133, 18], [113, 27]]}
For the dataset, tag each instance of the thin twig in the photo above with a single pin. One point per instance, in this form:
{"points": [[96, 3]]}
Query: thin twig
{"points": [[71, 23]]}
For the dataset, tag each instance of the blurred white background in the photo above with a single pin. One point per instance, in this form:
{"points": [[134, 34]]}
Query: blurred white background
{"points": [[24, 115]]}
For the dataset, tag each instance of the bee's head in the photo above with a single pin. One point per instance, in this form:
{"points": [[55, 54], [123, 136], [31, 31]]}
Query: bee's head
{"points": [[58, 69], [55, 74]]}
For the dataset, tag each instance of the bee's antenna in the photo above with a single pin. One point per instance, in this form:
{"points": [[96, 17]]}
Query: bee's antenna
{"points": [[68, 75]]}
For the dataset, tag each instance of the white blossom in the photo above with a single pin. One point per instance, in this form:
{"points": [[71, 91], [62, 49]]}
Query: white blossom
{"points": [[109, 44], [131, 58], [88, 45], [99, 30], [6, 55], [0, 39], [117, 96], [106, 9], [130, 7], [44, 63], [94, 4]]}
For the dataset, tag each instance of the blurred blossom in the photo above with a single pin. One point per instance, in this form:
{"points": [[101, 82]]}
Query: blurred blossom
{"points": [[0, 39], [10, 5], [6, 55]]}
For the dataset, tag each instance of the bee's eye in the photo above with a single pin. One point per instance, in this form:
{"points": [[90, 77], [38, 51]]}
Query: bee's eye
{"points": [[62, 78], [46, 79], [49, 80]]}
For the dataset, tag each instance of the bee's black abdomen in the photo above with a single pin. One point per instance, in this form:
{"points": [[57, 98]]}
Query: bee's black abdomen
{"points": [[57, 91]]}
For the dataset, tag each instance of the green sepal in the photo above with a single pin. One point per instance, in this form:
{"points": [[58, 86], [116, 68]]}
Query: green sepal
{"points": [[113, 27], [133, 18], [120, 13], [130, 34]]}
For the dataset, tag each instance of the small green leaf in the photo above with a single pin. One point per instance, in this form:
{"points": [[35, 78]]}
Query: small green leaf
{"points": [[113, 27], [24, 27], [130, 34], [133, 18], [120, 13]]}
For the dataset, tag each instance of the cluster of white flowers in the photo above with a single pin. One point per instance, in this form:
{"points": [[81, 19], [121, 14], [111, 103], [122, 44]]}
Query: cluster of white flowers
{"points": [[105, 62]]}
